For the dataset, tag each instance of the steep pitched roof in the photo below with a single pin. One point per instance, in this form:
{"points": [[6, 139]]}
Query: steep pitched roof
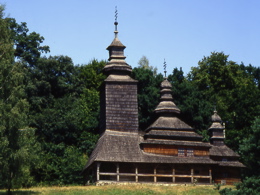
{"points": [[231, 164], [177, 143], [169, 129], [115, 146], [222, 151], [174, 134], [169, 122]]}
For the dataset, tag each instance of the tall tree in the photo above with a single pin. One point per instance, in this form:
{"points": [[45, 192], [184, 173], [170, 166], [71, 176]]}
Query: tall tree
{"points": [[250, 150], [16, 140], [27, 45], [91, 77], [144, 63], [195, 110], [148, 94], [250, 155], [64, 110], [232, 89]]}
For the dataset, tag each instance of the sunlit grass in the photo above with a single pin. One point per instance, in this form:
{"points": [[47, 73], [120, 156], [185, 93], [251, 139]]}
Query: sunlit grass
{"points": [[121, 190]]}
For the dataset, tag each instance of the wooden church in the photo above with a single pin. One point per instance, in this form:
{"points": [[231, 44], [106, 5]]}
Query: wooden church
{"points": [[170, 151]]}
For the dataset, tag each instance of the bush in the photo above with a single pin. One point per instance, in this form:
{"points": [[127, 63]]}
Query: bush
{"points": [[250, 186]]}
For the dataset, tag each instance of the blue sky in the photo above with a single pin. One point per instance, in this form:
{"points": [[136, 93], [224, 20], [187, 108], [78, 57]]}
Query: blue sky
{"points": [[182, 32]]}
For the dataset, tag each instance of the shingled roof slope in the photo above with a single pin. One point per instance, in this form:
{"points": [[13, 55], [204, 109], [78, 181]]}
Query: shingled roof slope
{"points": [[170, 133], [177, 143], [169, 122], [231, 164], [222, 151], [115, 146]]}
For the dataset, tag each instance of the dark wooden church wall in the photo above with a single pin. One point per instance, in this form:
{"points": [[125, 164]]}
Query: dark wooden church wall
{"points": [[227, 175], [121, 106]]}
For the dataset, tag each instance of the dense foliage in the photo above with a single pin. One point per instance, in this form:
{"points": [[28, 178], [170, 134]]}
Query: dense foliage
{"points": [[49, 108]]}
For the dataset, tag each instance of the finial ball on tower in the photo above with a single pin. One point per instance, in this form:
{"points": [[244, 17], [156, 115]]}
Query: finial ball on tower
{"points": [[116, 23]]}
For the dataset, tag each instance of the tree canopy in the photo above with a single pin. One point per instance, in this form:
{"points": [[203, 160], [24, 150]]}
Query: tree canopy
{"points": [[17, 141]]}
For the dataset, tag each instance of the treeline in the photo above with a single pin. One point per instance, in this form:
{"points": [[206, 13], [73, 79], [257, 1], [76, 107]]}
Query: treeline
{"points": [[49, 107]]}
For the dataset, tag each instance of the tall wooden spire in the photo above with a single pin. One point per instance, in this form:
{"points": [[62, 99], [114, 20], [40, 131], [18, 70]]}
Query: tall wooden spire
{"points": [[116, 64], [119, 110]]}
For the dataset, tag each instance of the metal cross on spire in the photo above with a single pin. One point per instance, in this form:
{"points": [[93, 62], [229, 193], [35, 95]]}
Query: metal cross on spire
{"points": [[215, 107], [116, 23], [164, 66]]}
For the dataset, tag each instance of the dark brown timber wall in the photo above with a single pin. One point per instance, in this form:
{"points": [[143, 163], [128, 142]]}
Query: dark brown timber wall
{"points": [[119, 111]]}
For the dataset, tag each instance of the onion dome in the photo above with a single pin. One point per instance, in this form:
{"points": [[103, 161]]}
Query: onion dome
{"points": [[216, 121], [116, 64], [215, 117], [166, 104]]}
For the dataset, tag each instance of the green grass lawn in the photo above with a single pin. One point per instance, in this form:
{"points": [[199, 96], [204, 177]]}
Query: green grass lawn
{"points": [[120, 190]]}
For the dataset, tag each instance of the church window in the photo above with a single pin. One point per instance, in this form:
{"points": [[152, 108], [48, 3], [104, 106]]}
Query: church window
{"points": [[181, 152], [189, 152]]}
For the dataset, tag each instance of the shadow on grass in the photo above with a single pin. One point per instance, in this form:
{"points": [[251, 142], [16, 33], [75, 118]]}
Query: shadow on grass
{"points": [[20, 192]]}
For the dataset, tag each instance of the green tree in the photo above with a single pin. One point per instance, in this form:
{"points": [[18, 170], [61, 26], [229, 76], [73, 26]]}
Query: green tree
{"points": [[195, 110], [253, 71], [16, 143], [144, 63], [62, 165], [64, 107], [232, 89], [92, 77], [52, 90], [27, 45], [250, 149], [148, 94]]}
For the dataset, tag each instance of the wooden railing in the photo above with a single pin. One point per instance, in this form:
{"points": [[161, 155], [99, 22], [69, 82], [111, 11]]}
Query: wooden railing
{"points": [[155, 175]]}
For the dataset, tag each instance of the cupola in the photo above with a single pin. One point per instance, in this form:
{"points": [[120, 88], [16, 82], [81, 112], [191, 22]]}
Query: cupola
{"points": [[116, 64], [166, 105], [216, 130]]}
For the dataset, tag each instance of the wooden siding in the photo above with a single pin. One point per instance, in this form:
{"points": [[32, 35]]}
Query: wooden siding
{"points": [[201, 152], [173, 150], [119, 109], [218, 133], [217, 142], [226, 175]]}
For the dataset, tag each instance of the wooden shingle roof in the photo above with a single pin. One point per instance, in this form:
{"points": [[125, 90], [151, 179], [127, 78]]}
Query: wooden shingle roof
{"points": [[177, 143], [222, 151], [170, 122], [117, 63], [174, 134], [115, 146], [166, 105], [231, 164]]}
